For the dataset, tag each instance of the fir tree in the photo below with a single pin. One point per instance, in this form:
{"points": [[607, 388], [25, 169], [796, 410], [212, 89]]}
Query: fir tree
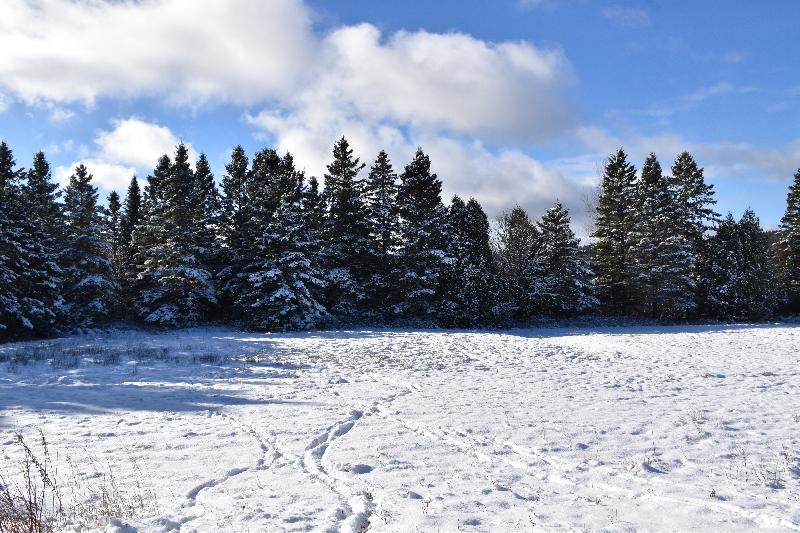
{"points": [[346, 234], [422, 228], [89, 283], [380, 191], [743, 283], [513, 245], [558, 280], [663, 258], [614, 226], [788, 245]]}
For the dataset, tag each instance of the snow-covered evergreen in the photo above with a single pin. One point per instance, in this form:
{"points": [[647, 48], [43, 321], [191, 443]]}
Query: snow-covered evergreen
{"points": [[743, 282], [89, 283], [788, 245], [558, 280], [664, 260], [614, 226], [514, 241], [423, 226]]}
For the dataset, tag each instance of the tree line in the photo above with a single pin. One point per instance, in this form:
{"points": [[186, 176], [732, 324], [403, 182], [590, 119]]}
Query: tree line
{"points": [[271, 250]]}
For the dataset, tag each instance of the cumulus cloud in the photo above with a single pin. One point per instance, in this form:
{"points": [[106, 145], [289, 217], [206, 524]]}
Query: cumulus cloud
{"points": [[131, 146], [188, 51]]}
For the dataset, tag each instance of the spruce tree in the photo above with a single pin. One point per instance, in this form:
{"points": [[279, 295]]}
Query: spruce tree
{"points": [[788, 245], [614, 225], [380, 190], [177, 290], [206, 216], [558, 279], [664, 260], [113, 231], [130, 220], [27, 304], [743, 283], [90, 287], [422, 254], [469, 286], [513, 245], [346, 234], [235, 215]]}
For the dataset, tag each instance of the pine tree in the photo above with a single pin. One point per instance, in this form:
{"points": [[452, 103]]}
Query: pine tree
{"points": [[743, 283], [346, 234], [422, 228], [663, 259], [788, 246], [614, 226], [513, 245], [89, 282], [27, 304], [380, 191], [558, 280]]}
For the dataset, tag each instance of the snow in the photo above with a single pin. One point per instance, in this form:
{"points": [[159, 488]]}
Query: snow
{"points": [[617, 429]]}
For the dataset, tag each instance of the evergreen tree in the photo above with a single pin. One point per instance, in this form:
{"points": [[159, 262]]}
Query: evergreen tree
{"points": [[422, 229], [513, 245], [28, 303], [788, 246], [89, 283], [558, 280], [743, 283], [113, 231], [129, 221], [176, 289], [469, 284], [663, 258], [207, 213], [380, 190], [235, 215], [284, 284], [346, 234], [614, 226]]}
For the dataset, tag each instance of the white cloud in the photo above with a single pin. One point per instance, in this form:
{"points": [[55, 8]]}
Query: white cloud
{"points": [[59, 114], [137, 143], [132, 146], [188, 51]]}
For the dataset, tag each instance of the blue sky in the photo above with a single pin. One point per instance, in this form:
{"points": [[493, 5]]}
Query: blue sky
{"points": [[517, 101]]}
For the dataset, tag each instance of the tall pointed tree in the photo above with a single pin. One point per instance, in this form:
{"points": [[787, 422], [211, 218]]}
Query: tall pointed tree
{"points": [[422, 228], [663, 258], [113, 231], [788, 245], [28, 306], [130, 220], [346, 234], [235, 215], [207, 213], [615, 218], [90, 286], [380, 189]]}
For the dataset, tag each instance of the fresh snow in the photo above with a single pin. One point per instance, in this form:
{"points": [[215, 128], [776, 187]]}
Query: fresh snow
{"points": [[617, 429]]}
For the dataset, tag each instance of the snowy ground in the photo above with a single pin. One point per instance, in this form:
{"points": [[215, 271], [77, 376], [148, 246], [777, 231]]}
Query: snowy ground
{"points": [[620, 429]]}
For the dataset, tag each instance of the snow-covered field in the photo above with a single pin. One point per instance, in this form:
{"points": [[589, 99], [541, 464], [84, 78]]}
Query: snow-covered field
{"points": [[673, 428]]}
